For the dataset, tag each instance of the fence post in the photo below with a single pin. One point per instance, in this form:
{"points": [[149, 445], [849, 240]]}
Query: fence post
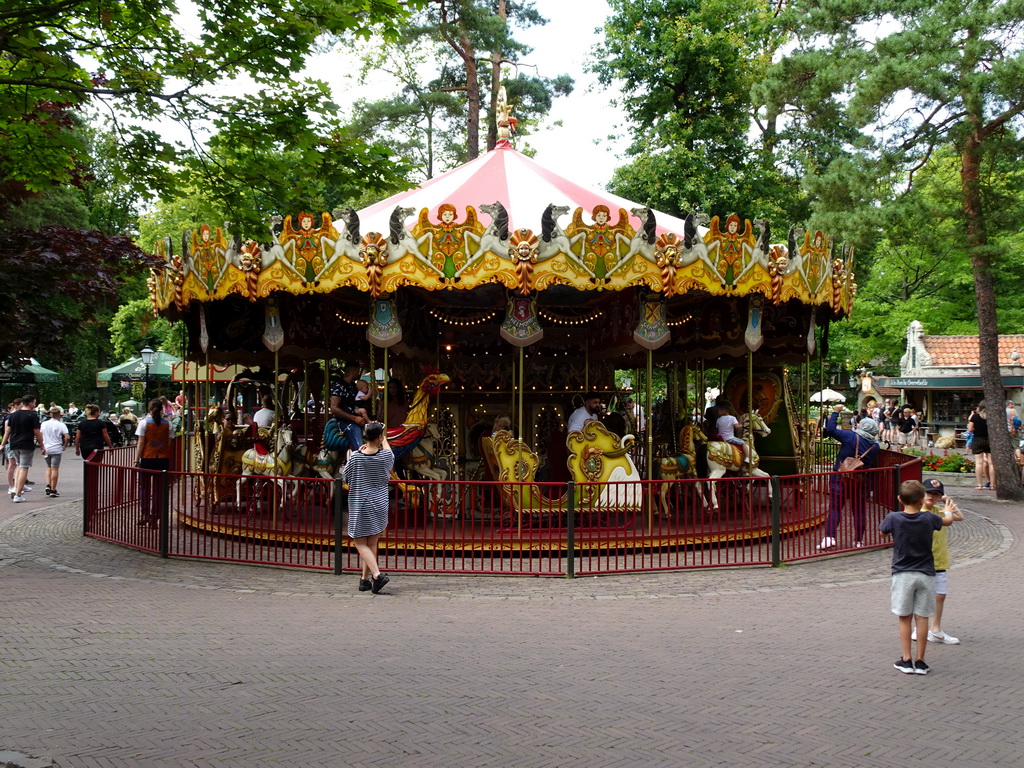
{"points": [[897, 477], [165, 513], [570, 531], [86, 493], [338, 489], [776, 523]]}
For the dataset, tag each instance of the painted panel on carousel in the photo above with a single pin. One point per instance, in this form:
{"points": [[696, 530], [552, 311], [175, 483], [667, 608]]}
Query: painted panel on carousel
{"points": [[600, 248], [206, 252]]}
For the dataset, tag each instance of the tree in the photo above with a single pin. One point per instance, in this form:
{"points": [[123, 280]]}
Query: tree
{"points": [[56, 279], [687, 70], [475, 43], [933, 75], [140, 65]]}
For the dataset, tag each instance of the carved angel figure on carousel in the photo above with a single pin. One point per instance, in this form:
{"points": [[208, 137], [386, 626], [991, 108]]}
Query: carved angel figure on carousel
{"points": [[447, 238], [305, 248], [601, 247], [209, 256], [730, 249]]}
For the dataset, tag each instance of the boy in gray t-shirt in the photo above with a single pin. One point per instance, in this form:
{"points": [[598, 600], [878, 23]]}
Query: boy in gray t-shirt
{"points": [[913, 571]]}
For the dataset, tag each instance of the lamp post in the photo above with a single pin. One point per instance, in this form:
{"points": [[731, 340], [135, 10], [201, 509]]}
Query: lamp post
{"points": [[147, 360]]}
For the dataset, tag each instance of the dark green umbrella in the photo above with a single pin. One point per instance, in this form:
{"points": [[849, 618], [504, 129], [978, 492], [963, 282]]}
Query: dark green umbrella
{"points": [[33, 373]]}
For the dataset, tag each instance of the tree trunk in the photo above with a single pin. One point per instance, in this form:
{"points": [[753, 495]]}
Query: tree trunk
{"points": [[472, 98], [496, 58], [1007, 474]]}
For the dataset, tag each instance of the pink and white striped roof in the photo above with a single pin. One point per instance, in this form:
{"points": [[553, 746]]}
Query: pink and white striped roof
{"points": [[523, 186]]}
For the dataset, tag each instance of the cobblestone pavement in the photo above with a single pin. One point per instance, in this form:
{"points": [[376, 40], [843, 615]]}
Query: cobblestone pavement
{"points": [[112, 657]]}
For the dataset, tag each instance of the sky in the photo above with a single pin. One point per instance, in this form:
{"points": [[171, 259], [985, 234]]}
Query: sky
{"points": [[580, 148]]}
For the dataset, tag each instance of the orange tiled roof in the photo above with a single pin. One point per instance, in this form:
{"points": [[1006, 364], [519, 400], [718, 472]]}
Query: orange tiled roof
{"points": [[949, 351]]}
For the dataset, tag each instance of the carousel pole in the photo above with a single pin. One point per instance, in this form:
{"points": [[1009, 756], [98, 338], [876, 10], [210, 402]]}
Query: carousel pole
{"points": [[305, 410], [387, 378], [650, 439], [519, 419], [586, 362], [750, 410], [277, 431]]}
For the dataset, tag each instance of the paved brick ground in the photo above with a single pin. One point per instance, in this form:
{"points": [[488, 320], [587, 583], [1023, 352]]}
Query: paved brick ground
{"points": [[111, 658]]}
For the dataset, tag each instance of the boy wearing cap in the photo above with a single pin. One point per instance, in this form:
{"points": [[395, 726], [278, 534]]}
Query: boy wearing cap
{"points": [[936, 501], [912, 596]]}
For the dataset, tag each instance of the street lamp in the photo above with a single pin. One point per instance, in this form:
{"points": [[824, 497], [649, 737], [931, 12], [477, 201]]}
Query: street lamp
{"points": [[147, 360]]}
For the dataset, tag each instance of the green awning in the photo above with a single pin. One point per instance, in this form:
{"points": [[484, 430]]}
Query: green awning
{"points": [[135, 370], [33, 373]]}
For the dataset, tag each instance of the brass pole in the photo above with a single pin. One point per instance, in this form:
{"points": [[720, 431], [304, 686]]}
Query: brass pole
{"points": [[519, 420], [650, 438], [750, 410]]}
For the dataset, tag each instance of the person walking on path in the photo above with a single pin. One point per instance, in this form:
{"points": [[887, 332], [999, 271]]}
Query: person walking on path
{"points": [[912, 594], [367, 472], [55, 441], [21, 431], [984, 470], [936, 502], [91, 436], [153, 454], [7, 452], [850, 486]]}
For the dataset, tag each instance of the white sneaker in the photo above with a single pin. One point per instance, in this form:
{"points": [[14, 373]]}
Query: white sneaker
{"points": [[18, 499], [942, 637], [827, 543], [11, 491]]}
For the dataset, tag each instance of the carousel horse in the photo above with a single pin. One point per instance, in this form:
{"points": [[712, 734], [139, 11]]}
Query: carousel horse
{"points": [[422, 459], [725, 457], [260, 461], [683, 466]]}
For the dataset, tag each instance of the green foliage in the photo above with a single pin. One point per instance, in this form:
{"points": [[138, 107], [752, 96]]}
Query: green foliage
{"points": [[688, 70], [134, 326], [136, 63], [464, 43]]}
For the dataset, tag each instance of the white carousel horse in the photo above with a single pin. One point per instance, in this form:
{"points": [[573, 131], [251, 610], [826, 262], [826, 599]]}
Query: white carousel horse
{"points": [[723, 457], [553, 239], [694, 247], [400, 240], [275, 465], [759, 256], [423, 460], [644, 239], [495, 237]]}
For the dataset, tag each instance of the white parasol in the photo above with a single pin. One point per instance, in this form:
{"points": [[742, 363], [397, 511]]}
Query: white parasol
{"points": [[827, 396]]}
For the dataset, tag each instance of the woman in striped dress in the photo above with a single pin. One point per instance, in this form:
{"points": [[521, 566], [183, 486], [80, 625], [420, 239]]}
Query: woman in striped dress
{"points": [[367, 472]]}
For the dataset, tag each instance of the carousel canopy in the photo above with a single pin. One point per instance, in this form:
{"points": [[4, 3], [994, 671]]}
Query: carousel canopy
{"points": [[135, 370], [503, 251]]}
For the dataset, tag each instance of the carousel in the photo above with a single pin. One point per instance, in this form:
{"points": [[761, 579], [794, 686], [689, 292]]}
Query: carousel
{"points": [[481, 307]]}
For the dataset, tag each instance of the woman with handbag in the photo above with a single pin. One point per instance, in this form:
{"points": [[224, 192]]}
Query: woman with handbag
{"points": [[858, 449]]}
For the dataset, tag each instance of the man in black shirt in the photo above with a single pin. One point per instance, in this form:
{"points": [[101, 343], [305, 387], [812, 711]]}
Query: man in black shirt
{"points": [[22, 431], [343, 406]]}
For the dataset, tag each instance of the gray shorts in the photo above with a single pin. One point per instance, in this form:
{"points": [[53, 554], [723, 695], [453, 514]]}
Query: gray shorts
{"points": [[941, 583], [53, 459], [907, 438], [23, 456], [913, 592]]}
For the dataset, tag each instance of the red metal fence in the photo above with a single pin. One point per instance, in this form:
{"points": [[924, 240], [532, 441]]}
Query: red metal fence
{"points": [[494, 528]]}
